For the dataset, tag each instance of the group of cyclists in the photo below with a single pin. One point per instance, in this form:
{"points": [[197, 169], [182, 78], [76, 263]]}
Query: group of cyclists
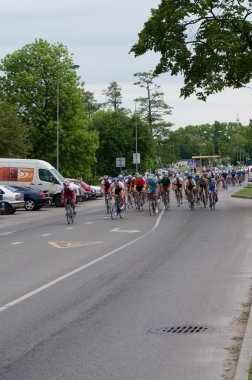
{"points": [[195, 187], [133, 190]]}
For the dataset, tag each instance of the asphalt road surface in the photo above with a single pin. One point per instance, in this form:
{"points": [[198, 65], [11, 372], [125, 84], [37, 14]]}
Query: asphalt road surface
{"points": [[142, 298]]}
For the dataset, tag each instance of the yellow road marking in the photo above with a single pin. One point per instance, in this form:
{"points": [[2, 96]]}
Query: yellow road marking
{"points": [[72, 244]]}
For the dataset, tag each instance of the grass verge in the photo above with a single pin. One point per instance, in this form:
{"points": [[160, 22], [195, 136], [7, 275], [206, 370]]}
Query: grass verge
{"points": [[246, 192]]}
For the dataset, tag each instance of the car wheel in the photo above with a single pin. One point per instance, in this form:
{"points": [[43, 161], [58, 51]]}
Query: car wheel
{"points": [[8, 209], [29, 205], [57, 200]]}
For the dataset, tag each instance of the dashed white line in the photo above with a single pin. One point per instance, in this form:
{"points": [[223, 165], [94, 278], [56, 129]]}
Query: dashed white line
{"points": [[16, 243], [7, 233], [45, 235]]}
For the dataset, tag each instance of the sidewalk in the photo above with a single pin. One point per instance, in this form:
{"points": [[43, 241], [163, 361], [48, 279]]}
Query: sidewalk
{"points": [[245, 354], [245, 357]]}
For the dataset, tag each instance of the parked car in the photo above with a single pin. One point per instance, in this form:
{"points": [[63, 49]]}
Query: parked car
{"points": [[13, 200], [91, 192], [34, 199], [97, 189], [1, 204]]}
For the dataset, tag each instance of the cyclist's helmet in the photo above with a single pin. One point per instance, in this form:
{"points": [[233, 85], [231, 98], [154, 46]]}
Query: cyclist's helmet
{"points": [[105, 177], [189, 175], [197, 174], [66, 183], [150, 178], [177, 175], [120, 177], [129, 176], [186, 174]]}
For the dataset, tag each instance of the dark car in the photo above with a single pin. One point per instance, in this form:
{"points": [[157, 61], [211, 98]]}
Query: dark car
{"points": [[34, 199]]}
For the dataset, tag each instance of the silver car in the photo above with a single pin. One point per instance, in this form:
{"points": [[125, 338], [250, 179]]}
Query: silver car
{"points": [[12, 199]]}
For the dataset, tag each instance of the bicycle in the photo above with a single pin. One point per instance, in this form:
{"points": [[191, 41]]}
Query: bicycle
{"points": [[70, 215], [166, 199], [118, 207], [107, 202], [153, 208], [203, 197], [178, 196], [139, 200], [190, 197], [212, 199], [130, 199]]}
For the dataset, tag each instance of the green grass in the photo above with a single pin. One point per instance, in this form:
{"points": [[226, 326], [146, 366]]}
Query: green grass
{"points": [[246, 192], [250, 371]]}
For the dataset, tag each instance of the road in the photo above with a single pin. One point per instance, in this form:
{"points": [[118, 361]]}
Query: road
{"points": [[96, 300]]}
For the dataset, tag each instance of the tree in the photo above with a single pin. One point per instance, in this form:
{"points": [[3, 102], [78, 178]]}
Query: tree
{"points": [[114, 96], [13, 133], [209, 42], [117, 139], [30, 81], [90, 104], [153, 107]]}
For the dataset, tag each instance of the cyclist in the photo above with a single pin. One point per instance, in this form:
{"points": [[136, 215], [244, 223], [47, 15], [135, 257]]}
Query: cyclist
{"points": [[203, 186], [105, 186], [165, 183], [68, 192], [190, 185], [212, 186], [152, 188], [118, 188], [178, 184], [139, 185]]}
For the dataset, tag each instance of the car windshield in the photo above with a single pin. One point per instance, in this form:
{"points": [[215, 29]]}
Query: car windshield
{"points": [[11, 188], [58, 175]]}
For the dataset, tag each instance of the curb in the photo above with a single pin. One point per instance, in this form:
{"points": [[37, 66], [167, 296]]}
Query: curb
{"points": [[245, 356], [240, 196]]}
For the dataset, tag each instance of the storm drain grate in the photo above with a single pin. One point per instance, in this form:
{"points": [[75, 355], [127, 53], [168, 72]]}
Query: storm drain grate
{"points": [[179, 330]]}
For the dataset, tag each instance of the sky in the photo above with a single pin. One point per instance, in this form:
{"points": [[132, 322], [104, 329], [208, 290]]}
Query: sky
{"points": [[99, 34]]}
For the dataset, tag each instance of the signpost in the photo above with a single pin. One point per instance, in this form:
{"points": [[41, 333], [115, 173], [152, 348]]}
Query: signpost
{"points": [[136, 159], [120, 162]]}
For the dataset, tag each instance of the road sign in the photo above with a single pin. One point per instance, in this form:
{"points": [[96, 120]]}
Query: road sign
{"points": [[120, 162], [136, 158]]}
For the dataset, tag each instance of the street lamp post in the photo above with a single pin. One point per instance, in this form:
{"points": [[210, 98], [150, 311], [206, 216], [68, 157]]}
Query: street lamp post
{"points": [[136, 138], [57, 117]]}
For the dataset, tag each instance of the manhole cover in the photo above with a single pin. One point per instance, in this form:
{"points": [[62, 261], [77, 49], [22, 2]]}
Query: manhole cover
{"points": [[179, 330]]}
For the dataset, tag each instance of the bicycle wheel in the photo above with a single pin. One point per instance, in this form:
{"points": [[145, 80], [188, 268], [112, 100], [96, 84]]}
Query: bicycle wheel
{"points": [[68, 217], [204, 198], [113, 211], [177, 196], [122, 212], [151, 207]]}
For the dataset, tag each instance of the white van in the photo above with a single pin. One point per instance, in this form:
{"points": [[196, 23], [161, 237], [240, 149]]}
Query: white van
{"points": [[37, 174]]}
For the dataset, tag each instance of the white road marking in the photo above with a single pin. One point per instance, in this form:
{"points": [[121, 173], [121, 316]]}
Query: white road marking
{"points": [[69, 274], [16, 243], [7, 233], [72, 244], [45, 235], [119, 230], [89, 222]]}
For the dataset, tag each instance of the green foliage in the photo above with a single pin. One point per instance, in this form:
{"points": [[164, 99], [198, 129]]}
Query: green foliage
{"points": [[13, 133], [152, 107], [114, 97], [36, 78], [117, 139], [209, 42]]}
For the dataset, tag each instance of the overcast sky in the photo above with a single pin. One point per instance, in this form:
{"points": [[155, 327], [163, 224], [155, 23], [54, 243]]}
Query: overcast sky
{"points": [[99, 35]]}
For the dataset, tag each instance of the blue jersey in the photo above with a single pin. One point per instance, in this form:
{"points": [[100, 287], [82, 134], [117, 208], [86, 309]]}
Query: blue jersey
{"points": [[153, 185]]}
